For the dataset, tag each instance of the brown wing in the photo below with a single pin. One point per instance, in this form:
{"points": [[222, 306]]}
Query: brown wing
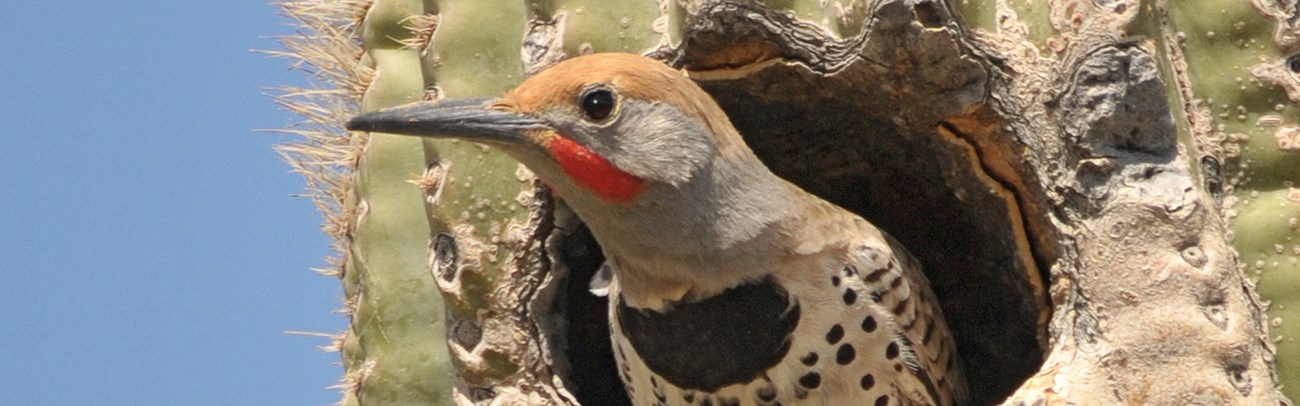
{"points": [[901, 289]]}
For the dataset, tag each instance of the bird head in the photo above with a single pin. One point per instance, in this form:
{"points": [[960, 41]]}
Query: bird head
{"points": [[609, 128], [640, 152]]}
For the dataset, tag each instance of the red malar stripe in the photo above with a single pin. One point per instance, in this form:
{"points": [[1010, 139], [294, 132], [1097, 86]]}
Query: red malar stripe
{"points": [[593, 172]]}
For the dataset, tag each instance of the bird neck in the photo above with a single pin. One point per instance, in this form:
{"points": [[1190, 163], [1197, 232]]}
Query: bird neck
{"points": [[723, 228]]}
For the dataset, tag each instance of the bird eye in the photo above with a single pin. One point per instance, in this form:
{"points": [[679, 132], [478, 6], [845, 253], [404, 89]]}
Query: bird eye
{"points": [[597, 104]]}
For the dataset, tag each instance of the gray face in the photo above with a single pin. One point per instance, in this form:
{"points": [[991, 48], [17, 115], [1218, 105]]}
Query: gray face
{"points": [[650, 140]]}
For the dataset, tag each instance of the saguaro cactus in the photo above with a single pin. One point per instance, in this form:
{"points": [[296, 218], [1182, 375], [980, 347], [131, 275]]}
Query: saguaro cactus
{"points": [[1096, 188]]}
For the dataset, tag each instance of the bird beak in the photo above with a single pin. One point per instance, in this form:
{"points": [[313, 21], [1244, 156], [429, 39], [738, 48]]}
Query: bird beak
{"points": [[478, 120]]}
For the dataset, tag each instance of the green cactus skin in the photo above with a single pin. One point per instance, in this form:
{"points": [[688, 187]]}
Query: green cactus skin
{"points": [[594, 26], [479, 190], [393, 353], [476, 194], [1225, 42]]}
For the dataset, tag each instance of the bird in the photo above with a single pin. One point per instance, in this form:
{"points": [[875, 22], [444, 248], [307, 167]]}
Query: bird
{"points": [[728, 285]]}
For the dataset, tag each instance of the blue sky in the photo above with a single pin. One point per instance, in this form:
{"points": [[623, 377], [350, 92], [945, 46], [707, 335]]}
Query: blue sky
{"points": [[152, 253]]}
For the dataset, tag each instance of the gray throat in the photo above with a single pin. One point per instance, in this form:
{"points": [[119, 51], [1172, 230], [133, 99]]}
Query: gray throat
{"points": [[722, 228]]}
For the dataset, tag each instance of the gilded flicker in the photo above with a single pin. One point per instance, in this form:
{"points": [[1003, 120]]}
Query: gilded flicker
{"points": [[729, 285]]}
